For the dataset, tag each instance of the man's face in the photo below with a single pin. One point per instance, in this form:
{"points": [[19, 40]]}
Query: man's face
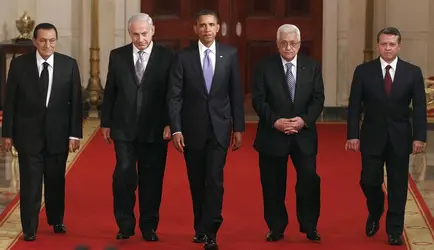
{"points": [[45, 42], [206, 29], [388, 47], [141, 33], [288, 45]]}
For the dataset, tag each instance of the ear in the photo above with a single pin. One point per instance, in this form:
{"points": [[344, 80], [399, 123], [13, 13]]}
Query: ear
{"points": [[152, 30], [195, 29], [217, 28]]}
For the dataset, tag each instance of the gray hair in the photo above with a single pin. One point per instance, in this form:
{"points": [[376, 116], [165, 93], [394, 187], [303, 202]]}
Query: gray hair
{"points": [[140, 17], [288, 28]]}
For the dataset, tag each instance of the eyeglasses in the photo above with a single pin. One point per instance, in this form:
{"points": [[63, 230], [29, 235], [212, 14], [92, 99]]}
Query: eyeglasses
{"points": [[292, 44]]}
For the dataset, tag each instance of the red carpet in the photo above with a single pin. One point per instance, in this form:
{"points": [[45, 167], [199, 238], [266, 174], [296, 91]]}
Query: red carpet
{"points": [[89, 215]]}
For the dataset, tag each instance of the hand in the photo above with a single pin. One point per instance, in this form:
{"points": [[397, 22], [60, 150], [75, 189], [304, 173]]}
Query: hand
{"points": [[178, 142], [352, 145], [296, 123], [7, 144], [236, 140], [282, 124], [106, 133], [166, 133], [74, 145], [418, 147]]}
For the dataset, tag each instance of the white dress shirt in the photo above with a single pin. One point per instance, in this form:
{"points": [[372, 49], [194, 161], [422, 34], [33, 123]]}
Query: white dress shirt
{"points": [[212, 53], [145, 56], [40, 63], [392, 70]]}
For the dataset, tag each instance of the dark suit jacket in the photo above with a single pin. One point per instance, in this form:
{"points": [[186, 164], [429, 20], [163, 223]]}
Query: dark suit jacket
{"points": [[271, 101], [134, 110], [191, 108], [27, 121], [387, 116]]}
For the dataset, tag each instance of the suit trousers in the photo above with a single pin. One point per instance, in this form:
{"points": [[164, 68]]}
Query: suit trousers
{"points": [[205, 174], [141, 164], [372, 177], [273, 171], [36, 169]]}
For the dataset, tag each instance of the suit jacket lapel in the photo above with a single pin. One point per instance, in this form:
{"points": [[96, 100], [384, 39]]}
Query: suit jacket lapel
{"points": [[397, 78], [33, 74], [302, 74], [219, 67], [280, 73], [152, 57], [128, 54], [57, 76], [380, 79], [197, 66]]}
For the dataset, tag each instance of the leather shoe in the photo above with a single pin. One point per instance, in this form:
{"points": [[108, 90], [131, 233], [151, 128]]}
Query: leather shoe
{"points": [[150, 235], [313, 236], [211, 244], [199, 238], [395, 239], [123, 236], [29, 237], [59, 229], [273, 236], [372, 226]]}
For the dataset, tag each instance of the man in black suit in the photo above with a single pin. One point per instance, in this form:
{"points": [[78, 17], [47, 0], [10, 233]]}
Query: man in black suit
{"points": [[205, 106], [42, 118], [382, 90], [288, 96], [134, 115]]}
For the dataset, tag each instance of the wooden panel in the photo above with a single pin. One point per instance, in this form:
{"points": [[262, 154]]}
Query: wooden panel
{"points": [[166, 8], [197, 5], [256, 51], [259, 8], [171, 44], [174, 19], [297, 8]]}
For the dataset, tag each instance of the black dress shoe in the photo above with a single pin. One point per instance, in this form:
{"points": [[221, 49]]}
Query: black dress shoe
{"points": [[211, 244], [372, 226], [59, 229], [313, 236], [150, 235], [395, 239], [199, 238], [29, 237], [123, 236], [273, 236]]}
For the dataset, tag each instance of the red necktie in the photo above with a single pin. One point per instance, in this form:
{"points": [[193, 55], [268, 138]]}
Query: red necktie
{"points": [[387, 80]]}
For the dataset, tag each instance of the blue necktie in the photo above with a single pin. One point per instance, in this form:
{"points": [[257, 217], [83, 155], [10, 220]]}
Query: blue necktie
{"points": [[290, 80], [208, 72]]}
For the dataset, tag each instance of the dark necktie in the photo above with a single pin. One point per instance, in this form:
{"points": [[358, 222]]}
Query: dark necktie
{"points": [[290, 80], [43, 81], [387, 80]]}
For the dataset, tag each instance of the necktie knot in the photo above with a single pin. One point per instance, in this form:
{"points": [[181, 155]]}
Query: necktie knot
{"points": [[207, 52], [388, 67], [141, 52], [289, 66], [45, 64]]}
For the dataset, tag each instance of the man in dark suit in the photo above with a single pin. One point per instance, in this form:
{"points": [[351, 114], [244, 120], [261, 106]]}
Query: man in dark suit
{"points": [[382, 90], [288, 96], [205, 106], [42, 118], [135, 117]]}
